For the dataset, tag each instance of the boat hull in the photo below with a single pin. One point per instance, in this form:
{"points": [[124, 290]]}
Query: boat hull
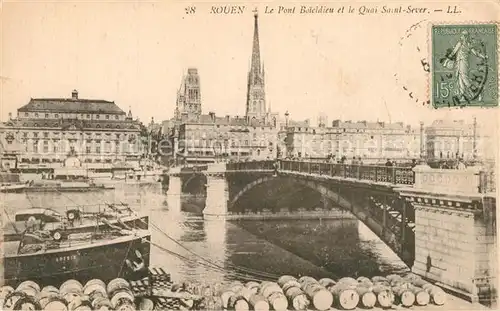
{"points": [[12, 188], [67, 189], [133, 222], [102, 260]]}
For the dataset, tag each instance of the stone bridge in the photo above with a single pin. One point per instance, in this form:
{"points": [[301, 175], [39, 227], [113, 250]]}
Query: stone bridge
{"points": [[441, 223]]}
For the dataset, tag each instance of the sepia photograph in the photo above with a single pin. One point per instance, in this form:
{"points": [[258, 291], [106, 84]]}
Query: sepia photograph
{"points": [[248, 155]]}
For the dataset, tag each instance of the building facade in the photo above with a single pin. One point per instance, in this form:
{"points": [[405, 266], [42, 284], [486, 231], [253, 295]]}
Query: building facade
{"points": [[52, 129], [370, 141], [457, 139]]}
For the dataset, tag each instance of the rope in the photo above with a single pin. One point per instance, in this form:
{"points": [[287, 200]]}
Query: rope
{"points": [[247, 270], [235, 274]]}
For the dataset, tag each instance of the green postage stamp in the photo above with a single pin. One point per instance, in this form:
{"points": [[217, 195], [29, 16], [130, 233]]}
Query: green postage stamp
{"points": [[464, 66]]}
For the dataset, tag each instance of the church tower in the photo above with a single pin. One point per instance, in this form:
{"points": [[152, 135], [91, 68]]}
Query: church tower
{"points": [[189, 96], [256, 96]]}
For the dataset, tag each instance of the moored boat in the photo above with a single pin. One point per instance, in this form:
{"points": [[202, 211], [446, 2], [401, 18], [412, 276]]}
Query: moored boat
{"points": [[10, 182], [103, 254], [64, 186], [73, 221]]}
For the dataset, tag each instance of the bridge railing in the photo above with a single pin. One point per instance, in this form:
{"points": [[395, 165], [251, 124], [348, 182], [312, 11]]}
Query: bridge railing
{"points": [[251, 165], [390, 174]]}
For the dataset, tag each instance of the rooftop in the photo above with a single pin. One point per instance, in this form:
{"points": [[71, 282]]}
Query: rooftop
{"points": [[71, 105]]}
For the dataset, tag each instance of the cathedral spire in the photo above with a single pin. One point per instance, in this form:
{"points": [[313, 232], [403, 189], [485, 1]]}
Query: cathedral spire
{"points": [[255, 66]]}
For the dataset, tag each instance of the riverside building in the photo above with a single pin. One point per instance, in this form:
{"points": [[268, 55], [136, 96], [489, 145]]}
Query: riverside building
{"points": [[48, 130]]}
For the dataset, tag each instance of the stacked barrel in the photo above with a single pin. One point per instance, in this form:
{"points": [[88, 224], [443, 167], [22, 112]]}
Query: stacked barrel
{"points": [[70, 296]]}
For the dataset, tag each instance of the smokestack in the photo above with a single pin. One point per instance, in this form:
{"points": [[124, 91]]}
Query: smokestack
{"points": [[74, 95]]}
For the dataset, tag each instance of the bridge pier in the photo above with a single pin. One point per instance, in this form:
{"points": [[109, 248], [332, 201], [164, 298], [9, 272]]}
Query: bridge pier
{"points": [[217, 197], [455, 242], [174, 193]]}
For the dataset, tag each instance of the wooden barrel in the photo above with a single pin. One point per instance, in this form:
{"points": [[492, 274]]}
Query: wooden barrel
{"points": [[5, 290], [320, 297], [419, 283], [116, 284], [285, 278], [258, 303], [438, 296], [404, 296], [55, 304], [254, 286], [122, 297], [297, 298], [101, 302], [348, 281], [269, 289], [29, 284], [290, 284], [71, 286], [327, 282], [146, 304], [365, 283], [69, 297], [379, 279], [367, 298], [44, 297], [246, 293], [411, 277], [363, 279], [344, 296], [29, 291], [50, 288], [225, 298], [80, 303], [306, 279], [278, 301], [385, 297], [422, 298], [394, 277], [95, 287], [11, 299], [237, 303], [94, 282]]}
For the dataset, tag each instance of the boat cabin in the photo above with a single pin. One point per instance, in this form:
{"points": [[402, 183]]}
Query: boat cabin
{"points": [[45, 215]]}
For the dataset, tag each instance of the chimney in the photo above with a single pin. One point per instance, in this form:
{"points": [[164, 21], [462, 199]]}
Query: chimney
{"points": [[10, 115], [74, 95], [227, 118]]}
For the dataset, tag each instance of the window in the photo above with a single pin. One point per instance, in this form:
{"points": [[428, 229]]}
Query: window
{"points": [[98, 126], [26, 114], [97, 116], [116, 117], [56, 116], [45, 146], [25, 134], [107, 117], [88, 116], [98, 149], [35, 134], [36, 114], [87, 149], [45, 134], [46, 116], [35, 146]]}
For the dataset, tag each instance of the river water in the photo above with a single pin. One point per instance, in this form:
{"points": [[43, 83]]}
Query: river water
{"points": [[217, 251]]}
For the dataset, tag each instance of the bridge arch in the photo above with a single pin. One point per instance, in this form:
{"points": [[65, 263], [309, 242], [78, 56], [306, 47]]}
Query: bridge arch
{"points": [[387, 236]]}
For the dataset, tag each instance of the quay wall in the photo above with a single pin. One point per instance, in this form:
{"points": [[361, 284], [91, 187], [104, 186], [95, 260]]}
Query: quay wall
{"points": [[330, 214]]}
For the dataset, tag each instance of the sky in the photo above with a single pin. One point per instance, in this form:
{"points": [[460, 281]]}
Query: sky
{"points": [[347, 66]]}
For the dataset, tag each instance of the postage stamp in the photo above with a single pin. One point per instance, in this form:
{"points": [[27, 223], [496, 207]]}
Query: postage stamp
{"points": [[464, 70]]}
